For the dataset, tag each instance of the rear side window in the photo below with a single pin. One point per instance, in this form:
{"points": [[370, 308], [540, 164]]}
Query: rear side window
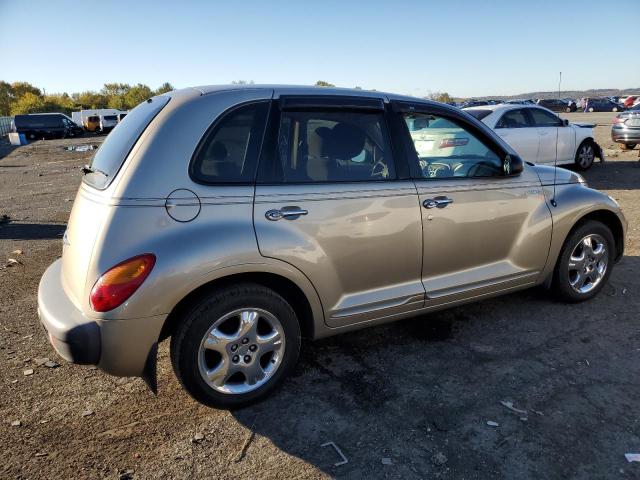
{"points": [[331, 146], [513, 119], [229, 150], [113, 152]]}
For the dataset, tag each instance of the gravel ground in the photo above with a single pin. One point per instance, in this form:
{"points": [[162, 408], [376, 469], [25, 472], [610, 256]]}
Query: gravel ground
{"points": [[405, 400]]}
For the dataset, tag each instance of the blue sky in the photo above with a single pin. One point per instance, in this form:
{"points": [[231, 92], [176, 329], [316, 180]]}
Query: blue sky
{"points": [[466, 48]]}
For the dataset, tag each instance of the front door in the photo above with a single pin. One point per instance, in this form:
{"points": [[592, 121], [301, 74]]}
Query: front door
{"points": [[548, 125], [484, 231], [329, 202]]}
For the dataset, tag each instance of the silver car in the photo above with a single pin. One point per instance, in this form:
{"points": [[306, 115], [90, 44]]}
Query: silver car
{"points": [[238, 220]]}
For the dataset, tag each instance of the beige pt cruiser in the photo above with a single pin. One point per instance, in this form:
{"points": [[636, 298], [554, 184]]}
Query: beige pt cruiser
{"points": [[238, 220]]}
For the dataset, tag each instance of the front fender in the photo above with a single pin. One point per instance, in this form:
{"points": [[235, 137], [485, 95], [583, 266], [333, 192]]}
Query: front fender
{"points": [[574, 202]]}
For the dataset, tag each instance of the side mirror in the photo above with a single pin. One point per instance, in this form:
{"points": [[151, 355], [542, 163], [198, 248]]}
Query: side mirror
{"points": [[565, 122], [512, 165]]}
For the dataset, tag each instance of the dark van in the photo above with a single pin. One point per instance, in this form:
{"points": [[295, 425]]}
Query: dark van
{"points": [[46, 125]]}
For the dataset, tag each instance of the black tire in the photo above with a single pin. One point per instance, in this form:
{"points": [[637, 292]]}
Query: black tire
{"points": [[587, 144], [561, 282], [628, 146], [185, 342]]}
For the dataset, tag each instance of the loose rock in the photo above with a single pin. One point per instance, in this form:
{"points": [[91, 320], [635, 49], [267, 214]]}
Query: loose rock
{"points": [[27, 372], [16, 423], [491, 423], [439, 459]]}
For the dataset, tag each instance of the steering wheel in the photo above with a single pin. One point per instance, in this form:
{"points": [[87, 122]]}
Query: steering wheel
{"points": [[380, 170]]}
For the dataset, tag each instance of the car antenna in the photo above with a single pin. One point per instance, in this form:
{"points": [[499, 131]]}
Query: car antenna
{"points": [[555, 162]]}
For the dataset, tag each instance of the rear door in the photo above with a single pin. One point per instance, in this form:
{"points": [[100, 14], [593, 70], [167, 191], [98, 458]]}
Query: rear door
{"points": [[483, 231], [515, 128], [331, 201]]}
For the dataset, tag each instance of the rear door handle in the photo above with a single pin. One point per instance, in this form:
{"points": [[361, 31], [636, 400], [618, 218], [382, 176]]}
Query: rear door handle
{"points": [[437, 202], [290, 213]]}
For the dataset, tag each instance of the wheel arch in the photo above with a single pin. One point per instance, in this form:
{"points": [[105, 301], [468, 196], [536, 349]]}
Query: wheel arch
{"points": [[612, 221], [308, 310]]}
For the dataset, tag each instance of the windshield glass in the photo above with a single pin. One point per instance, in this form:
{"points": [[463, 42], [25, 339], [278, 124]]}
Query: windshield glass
{"points": [[113, 152]]}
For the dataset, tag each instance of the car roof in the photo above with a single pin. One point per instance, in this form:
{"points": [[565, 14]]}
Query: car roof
{"points": [[499, 107], [312, 90]]}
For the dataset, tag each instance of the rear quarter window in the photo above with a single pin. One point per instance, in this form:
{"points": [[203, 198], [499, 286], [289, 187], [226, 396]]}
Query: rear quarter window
{"points": [[479, 114], [113, 152]]}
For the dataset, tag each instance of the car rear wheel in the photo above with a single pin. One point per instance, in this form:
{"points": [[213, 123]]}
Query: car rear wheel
{"points": [[628, 146], [614, 109], [235, 346], [585, 262], [591, 109], [568, 109], [585, 155]]}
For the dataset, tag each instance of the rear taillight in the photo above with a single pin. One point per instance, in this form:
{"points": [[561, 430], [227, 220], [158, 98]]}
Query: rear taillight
{"points": [[453, 142], [118, 283]]}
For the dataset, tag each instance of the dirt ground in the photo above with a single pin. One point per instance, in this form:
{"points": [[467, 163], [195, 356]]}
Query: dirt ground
{"points": [[405, 400]]}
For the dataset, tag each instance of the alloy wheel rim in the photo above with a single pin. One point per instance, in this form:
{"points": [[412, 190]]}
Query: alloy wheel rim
{"points": [[588, 263], [241, 351], [586, 155]]}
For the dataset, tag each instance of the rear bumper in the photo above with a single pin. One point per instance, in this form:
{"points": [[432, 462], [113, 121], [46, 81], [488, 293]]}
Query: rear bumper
{"points": [[119, 347], [623, 135]]}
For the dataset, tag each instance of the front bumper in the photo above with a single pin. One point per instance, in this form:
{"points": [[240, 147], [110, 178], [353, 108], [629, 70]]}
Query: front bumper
{"points": [[119, 347]]}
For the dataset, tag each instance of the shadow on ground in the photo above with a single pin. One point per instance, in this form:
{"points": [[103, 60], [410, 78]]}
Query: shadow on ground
{"points": [[419, 393], [31, 231]]}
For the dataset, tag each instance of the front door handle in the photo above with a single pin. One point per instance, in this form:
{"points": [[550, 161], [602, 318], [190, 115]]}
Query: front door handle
{"points": [[437, 202], [290, 213]]}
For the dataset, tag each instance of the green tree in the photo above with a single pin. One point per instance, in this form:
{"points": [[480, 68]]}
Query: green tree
{"points": [[443, 97], [59, 102], [20, 88], [6, 96], [322, 83], [90, 100], [136, 95], [27, 103], [164, 88]]}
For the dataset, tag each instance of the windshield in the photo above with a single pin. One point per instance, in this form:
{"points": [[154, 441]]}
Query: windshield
{"points": [[113, 152]]}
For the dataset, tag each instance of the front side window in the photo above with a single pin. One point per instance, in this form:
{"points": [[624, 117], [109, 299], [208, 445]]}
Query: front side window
{"points": [[447, 149], [542, 118], [229, 150], [513, 119], [332, 146]]}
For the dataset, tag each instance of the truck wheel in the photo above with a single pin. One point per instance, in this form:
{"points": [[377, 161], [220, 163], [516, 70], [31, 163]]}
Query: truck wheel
{"points": [[628, 146], [585, 262], [585, 155], [235, 346]]}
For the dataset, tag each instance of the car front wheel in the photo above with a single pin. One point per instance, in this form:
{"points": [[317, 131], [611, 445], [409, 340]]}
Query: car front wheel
{"points": [[585, 262], [585, 155], [628, 146], [235, 346]]}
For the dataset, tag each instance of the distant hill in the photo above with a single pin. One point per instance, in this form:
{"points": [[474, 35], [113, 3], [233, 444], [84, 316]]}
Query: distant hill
{"points": [[595, 92]]}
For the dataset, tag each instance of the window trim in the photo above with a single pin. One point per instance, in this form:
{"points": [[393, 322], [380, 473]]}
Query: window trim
{"points": [[459, 117], [213, 128], [323, 103]]}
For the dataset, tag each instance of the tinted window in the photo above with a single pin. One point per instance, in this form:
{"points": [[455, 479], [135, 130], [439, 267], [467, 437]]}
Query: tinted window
{"points": [[112, 153], [479, 114], [513, 119], [542, 118], [229, 151], [38, 121], [332, 146], [110, 117], [446, 149]]}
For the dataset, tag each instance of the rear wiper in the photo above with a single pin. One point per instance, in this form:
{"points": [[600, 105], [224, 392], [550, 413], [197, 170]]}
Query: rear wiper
{"points": [[89, 169]]}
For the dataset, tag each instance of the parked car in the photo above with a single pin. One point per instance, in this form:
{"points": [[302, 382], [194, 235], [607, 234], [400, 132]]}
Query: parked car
{"points": [[557, 105], [473, 103], [631, 100], [540, 136], [520, 101], [45, 126], [626, 128], [267, 214], [108, 123], [602, 105]]}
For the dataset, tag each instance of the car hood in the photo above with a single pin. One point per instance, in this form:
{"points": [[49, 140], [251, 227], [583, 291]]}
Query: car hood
{"points": [[547, 175]]}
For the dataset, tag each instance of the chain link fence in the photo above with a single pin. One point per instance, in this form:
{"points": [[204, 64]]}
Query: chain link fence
{"points": [[5, 125]]}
